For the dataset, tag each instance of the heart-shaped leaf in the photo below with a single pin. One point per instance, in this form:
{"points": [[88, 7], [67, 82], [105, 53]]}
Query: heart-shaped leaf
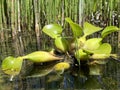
{"points": [[61, 44], [105, 48], [52, 30], [92, 44], [11, 65], [90, 29], [76, 29], [109, 30]]}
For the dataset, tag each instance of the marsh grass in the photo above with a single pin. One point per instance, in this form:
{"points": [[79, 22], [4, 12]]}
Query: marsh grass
{"points": [[31, 15]]}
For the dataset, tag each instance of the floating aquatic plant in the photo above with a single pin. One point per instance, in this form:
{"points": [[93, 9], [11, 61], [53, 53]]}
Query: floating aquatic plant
{"points": [[91, 50]]}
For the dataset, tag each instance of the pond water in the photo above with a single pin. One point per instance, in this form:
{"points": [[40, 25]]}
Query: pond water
{"points": [[45, 78]]}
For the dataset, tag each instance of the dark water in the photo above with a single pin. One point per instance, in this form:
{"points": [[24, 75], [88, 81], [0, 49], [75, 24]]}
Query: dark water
{"points": [[69, 80]]}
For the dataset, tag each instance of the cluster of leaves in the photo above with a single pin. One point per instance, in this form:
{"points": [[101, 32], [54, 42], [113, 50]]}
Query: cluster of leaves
{"points": [[79, 46]]}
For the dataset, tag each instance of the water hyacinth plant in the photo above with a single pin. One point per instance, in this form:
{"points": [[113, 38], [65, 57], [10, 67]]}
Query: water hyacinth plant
{"points": [[93, 51]]}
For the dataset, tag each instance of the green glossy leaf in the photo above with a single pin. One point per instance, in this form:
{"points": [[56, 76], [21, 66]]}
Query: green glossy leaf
{"points": [[104, 48], [61, 67], [52, 30], [41, 56], [109, 30], [92, 44], [81, 55], [90, 29], [76, 29], [11, 65], [61, 44]]}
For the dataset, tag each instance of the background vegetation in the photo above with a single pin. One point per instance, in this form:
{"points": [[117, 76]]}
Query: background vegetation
{"points": [[29, 16]]}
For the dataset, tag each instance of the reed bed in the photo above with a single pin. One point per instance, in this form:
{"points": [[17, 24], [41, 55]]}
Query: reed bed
{"points": [[31, 15], [26, 15]]}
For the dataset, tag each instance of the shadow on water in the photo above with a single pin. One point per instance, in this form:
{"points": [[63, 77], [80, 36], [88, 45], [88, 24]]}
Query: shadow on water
{"points": [[43, 77]]}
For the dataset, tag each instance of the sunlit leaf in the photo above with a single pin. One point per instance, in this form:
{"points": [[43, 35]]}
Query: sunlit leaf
{"points": [[76, 29], [92, 44], [61, 44], [104, 48], [90, 29], [11, 65], [109, 30], [41, 56], [80, 55], [61, 67], [52, 30]]}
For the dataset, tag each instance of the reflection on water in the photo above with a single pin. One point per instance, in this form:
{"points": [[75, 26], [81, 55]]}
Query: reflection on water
{"points": [[44, 78]]}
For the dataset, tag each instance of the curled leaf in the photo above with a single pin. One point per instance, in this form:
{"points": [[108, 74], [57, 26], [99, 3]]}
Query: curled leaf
{"points": [[61, 44], [11, 65], [81, 55], [109, 30], [76, 29], [61, 66], [100, 56], [41, 56]]}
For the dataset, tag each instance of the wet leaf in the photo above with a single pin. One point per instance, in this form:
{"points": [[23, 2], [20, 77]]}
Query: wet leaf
{"points": [[104, 48], [61, 44], [92, 44], [109, 30], [100, 56], [62, 66], [41, 56], [11, 65], [52, 30], [90, 29], [76, 29], [81, 55]]}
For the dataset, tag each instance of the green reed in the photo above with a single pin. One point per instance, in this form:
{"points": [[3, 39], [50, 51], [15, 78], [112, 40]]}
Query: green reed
{"points": [[32, 15]]}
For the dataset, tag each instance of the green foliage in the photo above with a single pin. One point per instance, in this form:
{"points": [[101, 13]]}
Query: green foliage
{"points": [[92, 44], [76, 29], [61, 44], [52, 30], [81, 55], [91, 50], [104, 48], [41, 56], [11, 65], [109, 30], [89, 29]]}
